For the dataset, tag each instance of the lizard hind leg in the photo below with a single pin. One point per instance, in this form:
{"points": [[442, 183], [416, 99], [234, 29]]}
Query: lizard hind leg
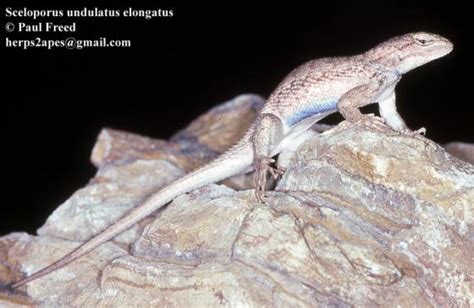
{"points": [[263, 166], [268, 133]]}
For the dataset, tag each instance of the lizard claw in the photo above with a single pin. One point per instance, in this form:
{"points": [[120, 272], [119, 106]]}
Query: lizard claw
{"points": [[421, 131], [372, 122], [417, 134], [276, 172], [260, 195], [262, 167], [413, 133]]}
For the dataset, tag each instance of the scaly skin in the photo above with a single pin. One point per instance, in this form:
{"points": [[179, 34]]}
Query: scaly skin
{"points": [[309, 93]]}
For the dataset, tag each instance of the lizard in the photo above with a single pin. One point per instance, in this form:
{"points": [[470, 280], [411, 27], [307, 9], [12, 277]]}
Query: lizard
{"points": [[307, 94]]}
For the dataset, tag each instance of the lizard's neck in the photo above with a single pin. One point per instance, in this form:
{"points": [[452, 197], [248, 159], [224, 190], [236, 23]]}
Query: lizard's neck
{"points": [[385, 58]]}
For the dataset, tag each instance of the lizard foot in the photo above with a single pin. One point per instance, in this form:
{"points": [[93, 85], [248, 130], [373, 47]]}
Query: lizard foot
{"points": [[417, 134], [276, 172], [262, 166], [414, 133], [372, 122]]}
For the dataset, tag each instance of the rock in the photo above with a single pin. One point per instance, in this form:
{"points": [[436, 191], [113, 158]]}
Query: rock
{"points": [[358, 219], [461, 150]]}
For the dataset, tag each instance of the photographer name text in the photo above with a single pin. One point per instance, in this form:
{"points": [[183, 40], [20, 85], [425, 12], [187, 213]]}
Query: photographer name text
{"points": [[45, 27]]}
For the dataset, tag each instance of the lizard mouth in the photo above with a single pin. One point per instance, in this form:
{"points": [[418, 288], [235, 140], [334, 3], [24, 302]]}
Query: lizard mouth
{"points": [[444, 47]]}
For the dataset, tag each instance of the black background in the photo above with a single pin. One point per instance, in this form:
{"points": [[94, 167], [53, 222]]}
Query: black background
{"points": [[58, 100]]}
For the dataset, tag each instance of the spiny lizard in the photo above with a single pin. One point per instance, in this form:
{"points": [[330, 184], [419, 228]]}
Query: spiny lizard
{"points": [[310, 92]]}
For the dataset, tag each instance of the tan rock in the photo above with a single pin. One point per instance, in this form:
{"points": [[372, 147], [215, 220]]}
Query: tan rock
{"points": [[358, 219]]}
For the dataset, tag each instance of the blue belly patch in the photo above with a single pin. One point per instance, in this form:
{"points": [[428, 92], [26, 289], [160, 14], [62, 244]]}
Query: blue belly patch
{"points": [[310, 111]]}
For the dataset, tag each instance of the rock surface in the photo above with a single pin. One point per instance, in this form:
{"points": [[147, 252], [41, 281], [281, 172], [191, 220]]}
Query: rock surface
{"points": [[358, 219], [462, 150]]}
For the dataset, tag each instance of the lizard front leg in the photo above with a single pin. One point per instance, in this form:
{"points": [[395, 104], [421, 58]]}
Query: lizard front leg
{"points": [[266, 137], [360, 96], [388, 110]]}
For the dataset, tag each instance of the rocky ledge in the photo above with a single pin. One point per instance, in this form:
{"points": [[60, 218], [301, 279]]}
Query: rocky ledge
{"points": [[358, 219]]}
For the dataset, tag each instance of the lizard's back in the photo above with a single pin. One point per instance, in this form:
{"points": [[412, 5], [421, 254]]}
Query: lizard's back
{"points": [[316, 86]]}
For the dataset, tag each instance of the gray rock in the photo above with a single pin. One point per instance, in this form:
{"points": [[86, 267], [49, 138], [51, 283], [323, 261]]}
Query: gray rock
{"points": [[461, 150], [358, 219]]}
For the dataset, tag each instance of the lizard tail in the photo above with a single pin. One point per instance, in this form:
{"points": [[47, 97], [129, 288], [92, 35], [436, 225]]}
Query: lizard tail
{"points": [[232, 162]]}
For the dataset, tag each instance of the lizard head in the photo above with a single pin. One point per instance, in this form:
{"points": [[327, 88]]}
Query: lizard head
{"points": [[406, 52]]}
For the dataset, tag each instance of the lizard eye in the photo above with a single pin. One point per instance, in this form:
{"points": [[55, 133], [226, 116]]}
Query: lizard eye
{"points": [[423, 42]]}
